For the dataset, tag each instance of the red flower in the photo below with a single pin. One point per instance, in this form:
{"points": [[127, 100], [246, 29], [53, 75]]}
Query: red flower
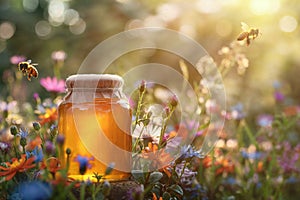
{"points": [[17, 165]]}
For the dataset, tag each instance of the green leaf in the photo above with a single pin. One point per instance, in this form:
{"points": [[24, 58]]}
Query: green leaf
{"points": [[155, 177], [166, 196], [138, 175], [176, 189]]}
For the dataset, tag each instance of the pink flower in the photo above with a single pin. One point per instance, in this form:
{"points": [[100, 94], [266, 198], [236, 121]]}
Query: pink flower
{"points": [[53, 85], [16, 59], [58, 55]]}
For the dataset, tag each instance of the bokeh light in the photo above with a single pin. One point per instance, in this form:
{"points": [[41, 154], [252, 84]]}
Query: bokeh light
{"points": [[78, 28], [288, 24], [168, 12], [30, 5], [56, 11], [71, 17], [7, 30], [43, 28]]}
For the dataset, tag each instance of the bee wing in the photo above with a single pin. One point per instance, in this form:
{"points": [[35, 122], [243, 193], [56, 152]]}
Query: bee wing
{"points": [[35, 64], [29, 61], [244, 26]]}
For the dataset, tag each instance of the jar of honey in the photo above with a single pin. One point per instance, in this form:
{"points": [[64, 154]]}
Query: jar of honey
{"points": [[95, 119]]}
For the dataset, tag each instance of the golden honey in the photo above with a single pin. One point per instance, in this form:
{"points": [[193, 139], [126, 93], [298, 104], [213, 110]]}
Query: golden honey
{"points": [[95, 118]]}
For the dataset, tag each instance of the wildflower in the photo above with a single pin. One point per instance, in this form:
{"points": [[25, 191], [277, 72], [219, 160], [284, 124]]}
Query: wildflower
{"points": [[37, 153], [291, 110], [136, 193], [34, 143], [16, 59], [33, 190], [289, 158], [17, 165], [50, 115], [224, 165], [153, 128], [58, 56], [106, 188], [185, 174], [53, 85], [60, 139], [237, 111], [278, 96], [52, 164], [4, 147], [84, 163], [49, 147], [265, 120], [252, 155]]}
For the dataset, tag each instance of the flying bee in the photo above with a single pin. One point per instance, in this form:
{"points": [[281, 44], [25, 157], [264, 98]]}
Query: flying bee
{"points": [[28, 68], [248, 33]]}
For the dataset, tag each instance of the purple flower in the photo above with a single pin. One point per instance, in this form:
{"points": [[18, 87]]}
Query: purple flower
{"points": [[49, 147], [84, 163], [289, 158], [17, 58], [4, 147], [58, 55], [60, 139], [53, 85], [279, 97], [265, 120]]}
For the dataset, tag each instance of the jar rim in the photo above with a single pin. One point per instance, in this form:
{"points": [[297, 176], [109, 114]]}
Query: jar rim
{"points": [[97, 81]]}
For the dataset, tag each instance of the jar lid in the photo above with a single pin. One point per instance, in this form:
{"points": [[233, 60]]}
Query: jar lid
{"points": [[103, 81]]}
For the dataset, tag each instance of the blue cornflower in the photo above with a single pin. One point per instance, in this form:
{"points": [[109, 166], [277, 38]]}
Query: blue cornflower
{"points": [[254, 155], [34, 190], [265, 120], [23, 133], [37, 152], [188, 151], [237, 111], [84, 163]]}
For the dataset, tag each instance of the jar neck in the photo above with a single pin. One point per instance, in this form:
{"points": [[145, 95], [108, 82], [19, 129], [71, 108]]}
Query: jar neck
{"points": [[80, 95]]}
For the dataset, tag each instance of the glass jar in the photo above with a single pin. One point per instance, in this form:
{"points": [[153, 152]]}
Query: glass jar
{"points": [[95, 119]]}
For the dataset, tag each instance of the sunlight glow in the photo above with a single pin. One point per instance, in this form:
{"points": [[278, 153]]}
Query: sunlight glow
{"points": [[168, 12], [261, 7]]}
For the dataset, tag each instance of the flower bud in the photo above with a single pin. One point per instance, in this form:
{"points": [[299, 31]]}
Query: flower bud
{"points": [[68, 151], [36, 126], [14, 130], [174, 101], [106, 188], [23, 141], [142, 86], [109, 168], [60, 139]]}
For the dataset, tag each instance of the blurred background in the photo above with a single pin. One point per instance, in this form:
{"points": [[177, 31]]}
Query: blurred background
{"points": [[37, 28]]}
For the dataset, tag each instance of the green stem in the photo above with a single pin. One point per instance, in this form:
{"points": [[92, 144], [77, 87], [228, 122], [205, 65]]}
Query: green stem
{"points": [[138, 139], [138, 110], [164, 126]]}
